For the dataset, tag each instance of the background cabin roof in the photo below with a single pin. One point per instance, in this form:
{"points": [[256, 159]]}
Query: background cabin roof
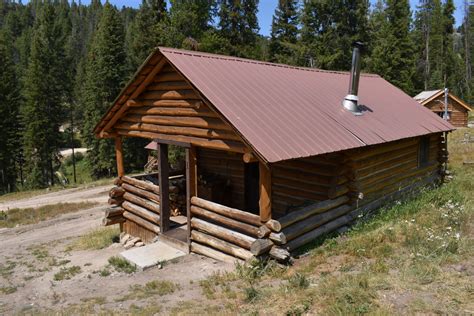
{"points": [[425, 97], [286, 112]]}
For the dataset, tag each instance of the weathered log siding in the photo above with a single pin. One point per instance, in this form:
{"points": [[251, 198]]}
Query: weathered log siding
{"points": [[306, 181], [169, 108], [459, 114], [227, 165], [384, 169]]}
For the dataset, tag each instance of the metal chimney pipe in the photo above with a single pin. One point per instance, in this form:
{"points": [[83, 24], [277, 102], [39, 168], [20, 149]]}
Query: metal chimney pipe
{"points": [[351, 100], [446, 115]]}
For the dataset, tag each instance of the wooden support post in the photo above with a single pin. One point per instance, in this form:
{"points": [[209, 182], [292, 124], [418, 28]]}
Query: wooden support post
{"points": [[265, 202], [163, 173], [191, 183], [119, 156]]}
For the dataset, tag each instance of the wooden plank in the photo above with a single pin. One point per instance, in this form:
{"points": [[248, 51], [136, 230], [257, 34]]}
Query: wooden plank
{"points": [[119, 156], [222, 245], [233, 213], [163, 175], [265, 184]]}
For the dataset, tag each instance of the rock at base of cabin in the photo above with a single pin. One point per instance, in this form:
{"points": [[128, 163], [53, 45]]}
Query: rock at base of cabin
{"points": [[124, 239], [128, 245], [134, 240], [140, 244]]}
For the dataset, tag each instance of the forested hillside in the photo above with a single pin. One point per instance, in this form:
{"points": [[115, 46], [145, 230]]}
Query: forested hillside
{"points": [[62, 63]]}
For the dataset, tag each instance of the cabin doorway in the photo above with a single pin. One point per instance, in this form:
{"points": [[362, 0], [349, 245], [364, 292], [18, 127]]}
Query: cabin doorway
{"points": [[173, 184], [251, 183]]}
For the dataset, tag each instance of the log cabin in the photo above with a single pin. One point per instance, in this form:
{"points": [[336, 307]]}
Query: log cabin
{"points": [[457, 110], [276, 155]]}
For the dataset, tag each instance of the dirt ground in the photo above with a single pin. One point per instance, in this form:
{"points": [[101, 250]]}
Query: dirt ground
{"points": [[31, 255], [82, 194]]}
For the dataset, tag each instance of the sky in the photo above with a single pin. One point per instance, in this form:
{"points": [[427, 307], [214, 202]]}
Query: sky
{"points": [[266, 8]]}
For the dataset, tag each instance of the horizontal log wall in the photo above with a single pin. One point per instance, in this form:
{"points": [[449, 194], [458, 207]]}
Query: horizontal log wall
{"points": [[225, 233], [305, 181], [226, 165], [379, 173], [169, 108], [139, 202], [459, 114], [382, 169]]}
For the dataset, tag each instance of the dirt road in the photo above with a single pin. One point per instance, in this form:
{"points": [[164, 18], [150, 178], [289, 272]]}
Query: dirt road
{"points": [[95, 194], [31, 256]]}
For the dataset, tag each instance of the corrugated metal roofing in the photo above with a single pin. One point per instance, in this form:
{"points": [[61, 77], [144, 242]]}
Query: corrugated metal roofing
{"points": [[287, 112], [425, 95]]}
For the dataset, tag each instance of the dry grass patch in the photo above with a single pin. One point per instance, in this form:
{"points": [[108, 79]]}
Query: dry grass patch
{"points": [[25, 216], [96, 239]]}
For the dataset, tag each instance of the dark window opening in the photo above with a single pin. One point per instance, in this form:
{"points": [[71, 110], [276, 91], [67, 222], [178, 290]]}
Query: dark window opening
{"points": [[252, 194], [423, 151]]}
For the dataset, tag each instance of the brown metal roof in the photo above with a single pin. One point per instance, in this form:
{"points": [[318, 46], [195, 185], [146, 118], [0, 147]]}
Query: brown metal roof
{"points": [[288, 112]]}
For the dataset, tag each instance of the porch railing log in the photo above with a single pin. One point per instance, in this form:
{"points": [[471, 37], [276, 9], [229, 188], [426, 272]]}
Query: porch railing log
{"points": [[222, 245], [142, 222], [233, 213], [231, 223], [142, 212], [142, 193], [150, 205], [223, 233]]}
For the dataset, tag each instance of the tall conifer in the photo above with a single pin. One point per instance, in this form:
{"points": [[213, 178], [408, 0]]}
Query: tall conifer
{"points": [[104, 73], [44, 96], [284, 35], [9, 110]]}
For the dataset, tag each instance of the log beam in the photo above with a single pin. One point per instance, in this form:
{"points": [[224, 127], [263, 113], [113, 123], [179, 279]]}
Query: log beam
{"points": [[163, 174], [265, 202], [119, 156]]}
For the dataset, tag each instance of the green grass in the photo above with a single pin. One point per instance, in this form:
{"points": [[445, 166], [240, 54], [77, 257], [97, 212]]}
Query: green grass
{"points": [[150, 289], [67, 273], [8, 289], [96, 239], [24, 216], [122, 265]]}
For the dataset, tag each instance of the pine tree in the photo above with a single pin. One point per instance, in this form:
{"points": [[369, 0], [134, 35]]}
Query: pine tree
{"points": [[104, 73], [42, 112], [468, 41], [330, 27], [9, 110], [189, 20], [239, 25], [392, 49], [284, 35], [145, 32]]}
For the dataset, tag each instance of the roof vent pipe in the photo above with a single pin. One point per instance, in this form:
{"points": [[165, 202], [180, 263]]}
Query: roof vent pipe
{"points": [[351, 100]]}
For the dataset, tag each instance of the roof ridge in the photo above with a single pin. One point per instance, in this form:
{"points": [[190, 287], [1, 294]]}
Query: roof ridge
{"points": [[253, 61]]}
